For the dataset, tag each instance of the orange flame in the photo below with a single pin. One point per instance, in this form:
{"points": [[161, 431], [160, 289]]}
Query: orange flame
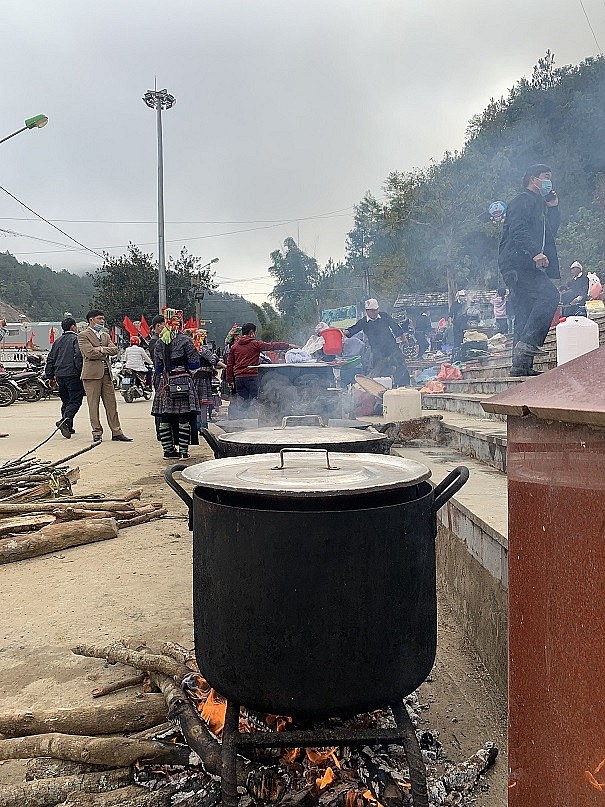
{"points": [[213, 712], [316, 757], [326, 779]]}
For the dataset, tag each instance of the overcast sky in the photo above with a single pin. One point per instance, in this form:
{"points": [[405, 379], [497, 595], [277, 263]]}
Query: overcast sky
{"points": [[287, 112]]}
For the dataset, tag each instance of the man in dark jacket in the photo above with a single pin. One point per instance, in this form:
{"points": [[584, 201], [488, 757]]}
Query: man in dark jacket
{"points": [[384, 336], [64, 365], [244, 354], [527, 258]]}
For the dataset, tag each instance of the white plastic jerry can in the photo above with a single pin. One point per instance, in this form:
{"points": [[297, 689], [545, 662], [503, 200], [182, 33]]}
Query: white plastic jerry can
{"points": [[575, 336], [402, 404]]}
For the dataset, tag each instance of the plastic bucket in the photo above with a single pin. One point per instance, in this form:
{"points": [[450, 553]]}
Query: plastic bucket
{"points": [[333, 340]]}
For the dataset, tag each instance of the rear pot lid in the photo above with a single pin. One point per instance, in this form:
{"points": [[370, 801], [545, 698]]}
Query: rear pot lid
{"points": [[308, 472], [301, 436]]}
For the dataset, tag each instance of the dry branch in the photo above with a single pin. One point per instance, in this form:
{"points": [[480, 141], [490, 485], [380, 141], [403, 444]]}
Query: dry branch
{"points": [[114, 751], [107, 689], [116, 653], [142, 519], [42, 490], [23, 508], [114, 718], [48, 792], [55, 537]]}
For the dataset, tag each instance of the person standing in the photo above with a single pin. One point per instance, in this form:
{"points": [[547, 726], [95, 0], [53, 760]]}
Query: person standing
{"points": [[459, 320], [157, 325], [384, 336], [498, 301], [209, 363], [243, 356], [96, 348], [175, 405], [423, 330], [527, 258], [64, 365]]}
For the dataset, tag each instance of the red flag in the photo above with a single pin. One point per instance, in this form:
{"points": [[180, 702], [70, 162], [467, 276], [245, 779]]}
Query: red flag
{"points": [[30, 341], [191, 323], [51, 336], [144, 328], [130, 326], [112, 334]]}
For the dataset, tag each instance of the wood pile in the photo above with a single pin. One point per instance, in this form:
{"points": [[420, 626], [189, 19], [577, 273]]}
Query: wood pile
{"points": [[162, 747], [39, 513]]}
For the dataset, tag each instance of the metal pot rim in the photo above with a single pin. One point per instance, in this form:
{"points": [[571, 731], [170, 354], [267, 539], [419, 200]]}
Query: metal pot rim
{"points": [[308, 472]]}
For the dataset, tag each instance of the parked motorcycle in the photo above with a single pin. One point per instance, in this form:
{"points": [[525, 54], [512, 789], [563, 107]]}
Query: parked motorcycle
{"points": [[9, 391], [30, 382], [134, 385]]}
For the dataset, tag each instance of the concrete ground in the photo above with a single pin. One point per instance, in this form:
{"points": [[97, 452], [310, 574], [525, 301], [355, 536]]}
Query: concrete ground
{"points": [[139, 586]]}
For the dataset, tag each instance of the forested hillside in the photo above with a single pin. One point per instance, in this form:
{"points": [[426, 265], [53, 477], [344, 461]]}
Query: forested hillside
{"points": [[434, 220], [41, 292]]}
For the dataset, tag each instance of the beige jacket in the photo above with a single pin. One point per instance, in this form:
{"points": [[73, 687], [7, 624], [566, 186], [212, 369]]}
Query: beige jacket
{"points": [[94, 360]]}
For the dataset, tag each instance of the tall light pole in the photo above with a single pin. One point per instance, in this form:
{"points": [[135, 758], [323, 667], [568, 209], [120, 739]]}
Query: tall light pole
{"points": [[199, 289], [37, 122], [159, 100]]}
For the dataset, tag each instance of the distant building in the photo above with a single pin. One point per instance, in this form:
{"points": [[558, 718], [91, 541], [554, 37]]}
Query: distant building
{"points": [[435, 303]]}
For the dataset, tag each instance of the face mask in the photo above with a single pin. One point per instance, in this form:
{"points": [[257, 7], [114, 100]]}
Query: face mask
{"points": [[545, 187], [97, 327]]}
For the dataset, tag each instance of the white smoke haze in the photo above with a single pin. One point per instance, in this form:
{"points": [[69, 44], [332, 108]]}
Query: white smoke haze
{"points": [[285, 110]]}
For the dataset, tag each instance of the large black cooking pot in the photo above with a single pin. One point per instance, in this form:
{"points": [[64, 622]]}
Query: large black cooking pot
{"points": [[314, 588], [290, 434]]}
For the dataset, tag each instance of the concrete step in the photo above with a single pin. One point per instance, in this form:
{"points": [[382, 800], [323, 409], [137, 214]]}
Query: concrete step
{"points": [[482, 386], [460, 402], [484, 440]]}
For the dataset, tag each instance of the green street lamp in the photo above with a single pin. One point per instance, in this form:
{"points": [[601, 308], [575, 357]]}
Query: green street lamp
{"points": [[37, 122]]}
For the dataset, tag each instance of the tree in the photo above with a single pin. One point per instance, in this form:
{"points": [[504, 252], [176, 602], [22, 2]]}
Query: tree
{"points": [[270, 323], [296, 274], [128, 285]]}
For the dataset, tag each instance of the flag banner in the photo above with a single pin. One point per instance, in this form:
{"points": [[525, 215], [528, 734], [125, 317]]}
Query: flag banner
{"points": [[51, 336], [340, 317], [130, 326], [144, 328]]}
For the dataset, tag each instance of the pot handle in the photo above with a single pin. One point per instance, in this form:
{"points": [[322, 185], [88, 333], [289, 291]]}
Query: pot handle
{"points": [[214, 444], [180, 492], [325, 451], [284, 420], [450, 485]]}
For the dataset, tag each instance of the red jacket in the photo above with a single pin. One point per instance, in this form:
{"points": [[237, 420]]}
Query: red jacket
{"points": [[246, 351]]}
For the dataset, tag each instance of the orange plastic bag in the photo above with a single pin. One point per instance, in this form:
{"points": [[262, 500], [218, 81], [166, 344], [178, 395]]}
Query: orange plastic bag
{"points": [[448, 372]]}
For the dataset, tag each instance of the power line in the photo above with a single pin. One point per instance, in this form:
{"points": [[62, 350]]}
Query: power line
{"points": [[594, 36], [67, 235]]}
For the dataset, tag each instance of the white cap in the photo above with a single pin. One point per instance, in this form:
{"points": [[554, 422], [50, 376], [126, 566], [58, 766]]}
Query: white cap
{"points": [[371, 304], [576, 265], [461, 293]]}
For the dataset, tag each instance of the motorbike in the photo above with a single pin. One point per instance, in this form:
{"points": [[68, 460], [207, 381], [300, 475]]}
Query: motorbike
{"points": [[133, 385], [31, 384], [9, 391]]}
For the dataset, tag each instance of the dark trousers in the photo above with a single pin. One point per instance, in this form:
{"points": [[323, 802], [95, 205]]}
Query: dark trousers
{"points": [[390, 363], [246, 387], [535, 300], [71, 392]]}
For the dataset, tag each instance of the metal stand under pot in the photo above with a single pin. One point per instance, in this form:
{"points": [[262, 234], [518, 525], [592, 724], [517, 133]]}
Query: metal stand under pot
{"points": [[347, 537]]}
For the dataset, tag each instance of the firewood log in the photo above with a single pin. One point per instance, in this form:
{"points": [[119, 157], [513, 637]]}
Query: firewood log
{"points": [[42, 490], [192, 726], [23, 508], [24, 523], [126, 715], [55, 537], [49, 768], [114, 751], [116, 653], [107, 689], [48, 792], [131, 522], [134, 796]]}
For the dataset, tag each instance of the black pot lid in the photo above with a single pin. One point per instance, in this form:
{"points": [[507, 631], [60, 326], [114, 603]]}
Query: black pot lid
{"points": [[305, 472], [301, 436]]}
